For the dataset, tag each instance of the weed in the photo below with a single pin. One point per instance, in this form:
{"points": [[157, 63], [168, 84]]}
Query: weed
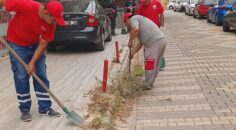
{"points": [[116, 103]]}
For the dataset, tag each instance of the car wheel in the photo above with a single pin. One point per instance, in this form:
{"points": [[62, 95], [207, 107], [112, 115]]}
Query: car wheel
{"points": [[194, 14], [171, 7], [200, 16], [226, 28], [208, 19], [217, 23], [51, 47], [101, 44], [186, 13], [109, 38]]}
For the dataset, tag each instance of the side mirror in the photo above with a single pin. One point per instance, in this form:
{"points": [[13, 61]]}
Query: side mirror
{"points": [[179, 2], [212, 5]]}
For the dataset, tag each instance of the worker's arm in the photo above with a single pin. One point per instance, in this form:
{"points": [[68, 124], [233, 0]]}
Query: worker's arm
{"points": [[2, 3], [133, 34], [135, 50], [17, 5], [162, 20], [38, 53]]}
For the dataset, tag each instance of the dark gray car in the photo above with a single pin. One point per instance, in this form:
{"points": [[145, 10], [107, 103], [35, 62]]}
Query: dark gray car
{"points": [[230, 19], [86, 22]]}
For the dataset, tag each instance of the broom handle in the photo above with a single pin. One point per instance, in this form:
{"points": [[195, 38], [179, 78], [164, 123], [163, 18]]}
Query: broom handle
{"points": [[34, 75]]}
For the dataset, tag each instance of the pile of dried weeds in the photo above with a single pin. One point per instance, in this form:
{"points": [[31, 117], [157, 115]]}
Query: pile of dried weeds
{"points": [[114, 105]]}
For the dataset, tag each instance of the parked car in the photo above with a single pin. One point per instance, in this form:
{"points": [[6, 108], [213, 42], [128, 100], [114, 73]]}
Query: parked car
{"points": [[170, 5], [216, 13], [175, 5], [86, 22], [201, 8], [212, 10], [190, 7], [181, 5], [230, 19]]}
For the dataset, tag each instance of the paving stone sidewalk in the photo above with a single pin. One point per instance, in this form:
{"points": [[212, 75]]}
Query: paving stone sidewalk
{"points": [[197, 89]]}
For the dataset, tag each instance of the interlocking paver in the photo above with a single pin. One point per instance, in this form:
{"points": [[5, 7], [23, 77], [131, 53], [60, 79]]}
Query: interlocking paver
{"points": [[197, 89]]}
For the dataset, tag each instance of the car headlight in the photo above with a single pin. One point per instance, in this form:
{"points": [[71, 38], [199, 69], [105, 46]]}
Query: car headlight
{"points": [[228, 12]]}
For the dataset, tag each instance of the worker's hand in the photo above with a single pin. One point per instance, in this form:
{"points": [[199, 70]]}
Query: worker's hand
{"points": [[130, 44], [31, 68], [131, 56]]}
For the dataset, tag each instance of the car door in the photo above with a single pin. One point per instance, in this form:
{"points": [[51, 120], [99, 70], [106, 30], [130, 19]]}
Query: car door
{"points": [[197, 8], [103, 18], [232, 17]]}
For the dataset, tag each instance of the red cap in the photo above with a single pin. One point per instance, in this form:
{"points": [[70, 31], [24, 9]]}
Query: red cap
{"points": [[126, 16], [56, 10], [142, 1]]}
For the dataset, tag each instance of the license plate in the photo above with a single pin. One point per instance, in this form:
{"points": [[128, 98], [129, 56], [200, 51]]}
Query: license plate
{"points": [[71, 22]]}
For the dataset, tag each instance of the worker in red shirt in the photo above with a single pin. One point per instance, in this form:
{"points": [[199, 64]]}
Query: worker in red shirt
{"points": [[153, 10], [29, 33]]}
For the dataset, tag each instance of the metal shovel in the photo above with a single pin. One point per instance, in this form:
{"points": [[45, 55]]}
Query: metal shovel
{"points": [[71, 115]]}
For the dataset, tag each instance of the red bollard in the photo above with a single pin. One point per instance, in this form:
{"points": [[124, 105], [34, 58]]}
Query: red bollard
{"points": [[117, 52], [105, 75]]}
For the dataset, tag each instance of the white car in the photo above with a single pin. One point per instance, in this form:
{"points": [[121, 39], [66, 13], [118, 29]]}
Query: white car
{"points": [[175, 5], [190, 7], [181, 5], [170, 6]]}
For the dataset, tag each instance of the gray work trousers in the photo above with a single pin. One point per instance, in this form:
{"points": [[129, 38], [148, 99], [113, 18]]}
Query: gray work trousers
{"points": [[154, 51]]}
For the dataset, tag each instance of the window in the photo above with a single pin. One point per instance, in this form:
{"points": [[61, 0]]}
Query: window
{"points": [[79, 6]]}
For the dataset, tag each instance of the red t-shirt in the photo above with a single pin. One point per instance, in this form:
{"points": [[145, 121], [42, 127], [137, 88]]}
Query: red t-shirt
{"points": [[27, 28], [151, 11]]}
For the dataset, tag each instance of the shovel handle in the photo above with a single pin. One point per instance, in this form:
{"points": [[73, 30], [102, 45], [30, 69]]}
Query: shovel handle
{"points": [[34, 75], [130, 59]]}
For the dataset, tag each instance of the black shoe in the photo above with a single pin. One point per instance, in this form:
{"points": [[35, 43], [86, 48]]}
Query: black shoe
{"points": [[26, 116], [114, 34], [147, 87], [50, 113]]}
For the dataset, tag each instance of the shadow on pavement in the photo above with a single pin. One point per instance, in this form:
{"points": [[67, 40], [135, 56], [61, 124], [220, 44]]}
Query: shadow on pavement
{"points": [[72, 48]]}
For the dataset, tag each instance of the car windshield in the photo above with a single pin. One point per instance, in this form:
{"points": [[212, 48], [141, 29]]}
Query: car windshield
{"points": [[208, 2], [194, 1], [183, 1], [230, 2], [79, 6]]}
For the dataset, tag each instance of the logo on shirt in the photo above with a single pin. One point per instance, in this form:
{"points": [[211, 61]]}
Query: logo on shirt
{"points": [[43, 28], [154, 7]]}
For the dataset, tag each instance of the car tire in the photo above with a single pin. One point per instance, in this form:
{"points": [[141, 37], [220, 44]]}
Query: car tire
{"points": [[101, 44], [51, 47], [171, 7], [194, 14], [217, 23], [208, 19], [200, 17], [226, 28], [109, 38]]}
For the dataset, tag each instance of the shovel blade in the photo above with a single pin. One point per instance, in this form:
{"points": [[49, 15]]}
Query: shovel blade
{"points": [[73, 117]]}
